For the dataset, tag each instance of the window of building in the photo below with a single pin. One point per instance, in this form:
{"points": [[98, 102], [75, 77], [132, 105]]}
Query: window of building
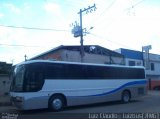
{"points": [[139, 63], [152, 67], [132, 63]]}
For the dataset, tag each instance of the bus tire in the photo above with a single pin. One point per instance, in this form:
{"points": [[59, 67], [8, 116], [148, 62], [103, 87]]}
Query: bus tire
{"points": [[56, 103], [126, 96]]}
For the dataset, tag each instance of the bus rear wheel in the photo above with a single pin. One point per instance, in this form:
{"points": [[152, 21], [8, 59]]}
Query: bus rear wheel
{"points": [[126, 96], [56, 103]]}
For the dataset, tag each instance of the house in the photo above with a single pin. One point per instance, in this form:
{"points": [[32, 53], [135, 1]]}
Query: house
{"points": [[92, 54], [132, 57], [5, 71], [151, 64]]}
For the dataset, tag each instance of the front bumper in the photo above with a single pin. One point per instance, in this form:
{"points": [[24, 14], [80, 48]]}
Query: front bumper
{"points": [[17, 102]]}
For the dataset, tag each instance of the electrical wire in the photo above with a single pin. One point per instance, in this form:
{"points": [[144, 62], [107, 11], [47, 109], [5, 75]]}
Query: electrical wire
{"points": [[104, 11], [135, 4], [33, 28], [107, 8], [120, 44], [48, 29], [18, 45]]}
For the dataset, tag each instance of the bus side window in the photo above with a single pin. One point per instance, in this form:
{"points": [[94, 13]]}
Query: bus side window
{"points": [[34, 79], [74, 71]]}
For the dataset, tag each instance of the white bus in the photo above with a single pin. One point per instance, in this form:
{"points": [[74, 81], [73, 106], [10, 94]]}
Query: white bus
{"points": [[55, 84]]}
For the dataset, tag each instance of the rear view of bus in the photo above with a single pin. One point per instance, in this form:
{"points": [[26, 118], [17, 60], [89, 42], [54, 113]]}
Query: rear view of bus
{"points": [[55, 85]]}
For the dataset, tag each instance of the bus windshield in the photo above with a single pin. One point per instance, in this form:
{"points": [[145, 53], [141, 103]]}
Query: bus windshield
{"points": [[18, 79], [27, 78]]}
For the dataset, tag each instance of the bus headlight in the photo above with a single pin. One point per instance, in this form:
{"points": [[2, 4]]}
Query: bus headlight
{"points": [[19, 99]]}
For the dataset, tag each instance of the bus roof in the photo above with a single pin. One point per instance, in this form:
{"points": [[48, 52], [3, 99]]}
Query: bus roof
{"points": [[78, 63]]}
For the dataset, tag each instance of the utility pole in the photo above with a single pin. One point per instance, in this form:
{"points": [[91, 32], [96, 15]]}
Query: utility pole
{"points": [[81, 36], [146, 62], [78, 29]]}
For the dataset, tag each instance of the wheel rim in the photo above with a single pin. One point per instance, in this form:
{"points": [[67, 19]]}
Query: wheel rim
{"points": [[57, 104], [126, 97]]}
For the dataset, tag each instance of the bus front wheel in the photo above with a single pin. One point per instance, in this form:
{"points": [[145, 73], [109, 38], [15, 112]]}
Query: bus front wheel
{"points": [[56, 103], [126, 96]]}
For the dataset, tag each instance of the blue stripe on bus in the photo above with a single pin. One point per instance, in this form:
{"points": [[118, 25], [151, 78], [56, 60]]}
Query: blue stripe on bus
{"points": [[119, 88]]}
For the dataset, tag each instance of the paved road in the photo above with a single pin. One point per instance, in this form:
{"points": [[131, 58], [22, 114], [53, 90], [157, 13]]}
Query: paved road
{"points": [[147, 104]]}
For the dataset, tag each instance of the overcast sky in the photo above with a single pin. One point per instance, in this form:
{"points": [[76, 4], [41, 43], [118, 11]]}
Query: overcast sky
{"points": [[32, 27]]}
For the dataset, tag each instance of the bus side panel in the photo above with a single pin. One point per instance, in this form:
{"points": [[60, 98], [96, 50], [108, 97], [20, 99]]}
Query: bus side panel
{"points": [[37, 102], [79, 92], [115, 96], [81, 100]]}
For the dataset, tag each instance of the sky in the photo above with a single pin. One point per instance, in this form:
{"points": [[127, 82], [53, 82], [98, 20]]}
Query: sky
{"points": [[31, 27]]}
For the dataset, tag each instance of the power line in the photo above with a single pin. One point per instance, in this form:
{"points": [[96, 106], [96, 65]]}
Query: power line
{"points": [[110, 40], [69, 5], [34, 28], [137, 3], [18, 45], [105, 10], [134, 5]]}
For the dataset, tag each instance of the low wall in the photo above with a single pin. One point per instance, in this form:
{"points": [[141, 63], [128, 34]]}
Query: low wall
{"points": [[5, 83]]}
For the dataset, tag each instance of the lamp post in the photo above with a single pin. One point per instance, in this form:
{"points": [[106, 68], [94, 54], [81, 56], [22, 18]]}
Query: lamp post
{"points": [[146, 49]]}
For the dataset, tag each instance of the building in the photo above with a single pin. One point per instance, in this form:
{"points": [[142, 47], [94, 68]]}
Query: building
{"points": [[5, 71], [153, 70], [92, 54], [132, 58], [150, 61]]}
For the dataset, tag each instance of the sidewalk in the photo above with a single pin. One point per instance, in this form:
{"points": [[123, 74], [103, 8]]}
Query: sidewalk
{"points": [[5, 100]]}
